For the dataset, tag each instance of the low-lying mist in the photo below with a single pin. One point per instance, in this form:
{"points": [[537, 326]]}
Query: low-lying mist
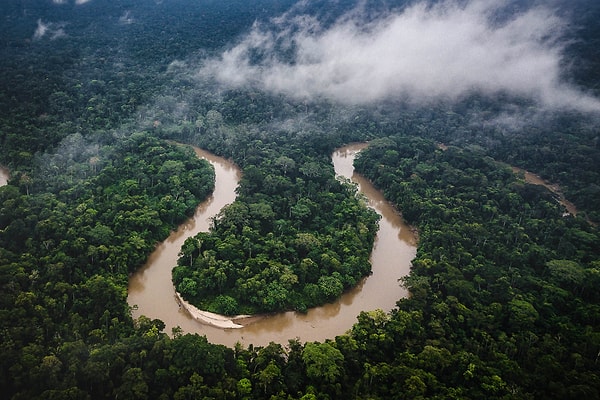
{"points": [[422, 54]]}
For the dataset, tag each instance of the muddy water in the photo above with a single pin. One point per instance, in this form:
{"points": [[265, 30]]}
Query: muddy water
{"points": [[394, 248], [151, 288], [4, 175]]}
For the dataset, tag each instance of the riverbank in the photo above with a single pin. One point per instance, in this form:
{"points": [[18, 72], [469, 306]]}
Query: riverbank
{"points": [[216, 320], [534, 179], [151, 289]]}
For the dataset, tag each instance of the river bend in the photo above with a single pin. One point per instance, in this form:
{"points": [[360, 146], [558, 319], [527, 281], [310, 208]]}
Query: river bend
{"points": [[151, 290]]}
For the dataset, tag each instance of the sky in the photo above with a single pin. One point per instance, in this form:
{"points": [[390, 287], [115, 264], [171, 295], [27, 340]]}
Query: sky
{"points": [[421, 54]]}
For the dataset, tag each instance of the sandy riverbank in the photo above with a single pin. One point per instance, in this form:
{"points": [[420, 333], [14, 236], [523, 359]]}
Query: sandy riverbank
{"points": [[217, 320]]}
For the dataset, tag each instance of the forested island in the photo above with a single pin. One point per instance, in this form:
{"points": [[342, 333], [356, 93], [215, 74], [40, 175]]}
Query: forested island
{"points": [[503, 291], [294, 238]]}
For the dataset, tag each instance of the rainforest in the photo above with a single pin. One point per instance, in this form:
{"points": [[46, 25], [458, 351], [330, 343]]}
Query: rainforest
{"points": [[455, 104]]}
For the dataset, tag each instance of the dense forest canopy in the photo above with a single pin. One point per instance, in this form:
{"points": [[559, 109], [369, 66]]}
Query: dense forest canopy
{"points": [[295, 238], [503, 289]]}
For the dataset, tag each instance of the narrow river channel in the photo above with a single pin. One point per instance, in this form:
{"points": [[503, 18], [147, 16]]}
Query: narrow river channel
{"points": [[4, 176], [151, 290], [534, 179]]}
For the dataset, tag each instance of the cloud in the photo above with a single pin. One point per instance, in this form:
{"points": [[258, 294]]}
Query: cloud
{"points": [[53, 30], [41, 30], [126, 18], [77, 2], [426, 52]]}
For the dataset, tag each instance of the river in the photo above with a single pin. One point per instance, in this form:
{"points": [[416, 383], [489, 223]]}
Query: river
{"points": [[4, 176], [534, 179], [395, 246]]}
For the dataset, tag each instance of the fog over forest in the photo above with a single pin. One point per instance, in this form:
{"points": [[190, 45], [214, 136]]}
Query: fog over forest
{"points": [[421, 53], [424, 53]]}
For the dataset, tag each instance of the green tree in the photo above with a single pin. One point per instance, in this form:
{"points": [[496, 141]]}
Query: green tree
{"points": [[269, 378], [134, 386], [323, 362], [244, 388]]}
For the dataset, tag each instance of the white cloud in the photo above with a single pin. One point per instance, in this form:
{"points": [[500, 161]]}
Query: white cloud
{"points": [[77, 2], [176, 66], [41, 30], [126, 18], [50, 29], [423, 53]]}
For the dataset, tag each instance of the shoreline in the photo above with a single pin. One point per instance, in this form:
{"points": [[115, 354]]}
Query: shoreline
{"points": [[390, 260], [213, 319]]}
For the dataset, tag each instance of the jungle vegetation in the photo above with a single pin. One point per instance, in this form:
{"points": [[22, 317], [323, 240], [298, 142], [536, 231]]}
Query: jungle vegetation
{"points": [[295, 238], [503, 303]]}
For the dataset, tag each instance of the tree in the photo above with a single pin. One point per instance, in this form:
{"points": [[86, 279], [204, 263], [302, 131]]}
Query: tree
{"points": [[330, 286], [323, 362], [134, 386], [195, 390], [522, 314], [567, 273], [269, 378], [188, 287], [287, 164], [226, 305], [244, 388]]}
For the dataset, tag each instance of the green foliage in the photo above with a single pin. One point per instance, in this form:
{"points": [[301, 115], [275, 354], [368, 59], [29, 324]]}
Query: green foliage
{"points": [[323, 362], [85, 240], [293, 239], [500, 275], [504, 299]]}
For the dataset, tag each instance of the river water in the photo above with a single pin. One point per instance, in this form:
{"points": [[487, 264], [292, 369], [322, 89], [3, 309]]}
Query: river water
{"points": [[4, 176], [395, 246]]}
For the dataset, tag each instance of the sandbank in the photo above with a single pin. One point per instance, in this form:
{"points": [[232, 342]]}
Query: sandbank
{"points": [[213, 319]]}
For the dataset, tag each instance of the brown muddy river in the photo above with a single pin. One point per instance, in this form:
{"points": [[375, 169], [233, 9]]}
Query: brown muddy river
{"points": [[395, 246], [4, 176]]}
